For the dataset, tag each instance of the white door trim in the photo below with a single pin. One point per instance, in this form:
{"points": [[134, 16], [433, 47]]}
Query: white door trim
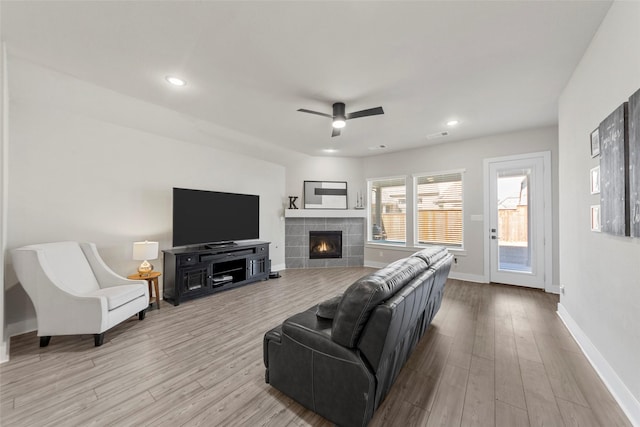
{"points": [[548, 214]]}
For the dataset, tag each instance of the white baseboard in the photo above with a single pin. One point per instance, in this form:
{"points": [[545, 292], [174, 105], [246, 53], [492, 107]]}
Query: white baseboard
{"points": [[21, 327], [375, 264], [477, 278], [278, 267], [616, 386], [553, 289], [4, 352]]}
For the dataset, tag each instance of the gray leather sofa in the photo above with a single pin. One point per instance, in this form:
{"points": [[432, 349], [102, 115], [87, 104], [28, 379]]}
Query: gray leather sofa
{"points": [[341, 357]]}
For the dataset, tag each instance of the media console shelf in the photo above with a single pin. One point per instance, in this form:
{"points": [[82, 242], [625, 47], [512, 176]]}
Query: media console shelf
{"points": [[193, 272]]}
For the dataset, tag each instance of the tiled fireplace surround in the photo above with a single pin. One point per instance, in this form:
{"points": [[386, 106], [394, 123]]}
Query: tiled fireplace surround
{"points": [[297, 242]]}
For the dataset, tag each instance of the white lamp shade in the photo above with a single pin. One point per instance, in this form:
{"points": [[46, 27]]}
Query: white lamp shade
{"points": [[143, 251]]}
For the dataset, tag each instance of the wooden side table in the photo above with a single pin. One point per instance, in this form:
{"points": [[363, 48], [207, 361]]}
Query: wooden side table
{"points": [[150, 278]]}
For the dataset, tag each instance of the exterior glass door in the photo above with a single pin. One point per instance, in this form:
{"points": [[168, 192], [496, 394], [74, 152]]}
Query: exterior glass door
{"points": [[517, 222]]}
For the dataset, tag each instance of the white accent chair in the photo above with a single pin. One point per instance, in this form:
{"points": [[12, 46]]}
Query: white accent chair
{"points": [[74, 292]]}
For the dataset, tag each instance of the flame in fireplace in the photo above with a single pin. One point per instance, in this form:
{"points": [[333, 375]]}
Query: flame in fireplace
{"points": [[325, 244], [322, 247]]}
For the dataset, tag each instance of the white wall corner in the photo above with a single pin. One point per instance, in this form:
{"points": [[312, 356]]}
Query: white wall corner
{"points": [[553, 289], [4, 162], [278, 267], [618, 389]]}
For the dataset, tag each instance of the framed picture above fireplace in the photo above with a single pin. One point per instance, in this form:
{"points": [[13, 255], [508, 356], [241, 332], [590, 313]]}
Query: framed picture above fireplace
{"points": [[325, 195]]}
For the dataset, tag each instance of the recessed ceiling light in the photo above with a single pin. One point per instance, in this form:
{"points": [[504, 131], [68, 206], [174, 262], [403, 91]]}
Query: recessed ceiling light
{"points": [[175, 81], [452, 122], [330, 150]]}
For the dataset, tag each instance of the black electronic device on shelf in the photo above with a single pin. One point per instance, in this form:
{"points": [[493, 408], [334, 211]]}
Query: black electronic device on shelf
{"points": [[195, 272]]}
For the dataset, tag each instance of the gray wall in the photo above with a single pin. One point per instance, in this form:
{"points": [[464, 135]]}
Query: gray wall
{"points": [[600, 272]]}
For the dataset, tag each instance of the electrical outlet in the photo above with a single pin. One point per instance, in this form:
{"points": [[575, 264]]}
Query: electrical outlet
{"points": [[562, 290]]}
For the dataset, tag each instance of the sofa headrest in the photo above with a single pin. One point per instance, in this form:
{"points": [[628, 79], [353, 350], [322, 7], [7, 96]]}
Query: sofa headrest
{"points": [[362, 296], [432, 254], [327, 308]]}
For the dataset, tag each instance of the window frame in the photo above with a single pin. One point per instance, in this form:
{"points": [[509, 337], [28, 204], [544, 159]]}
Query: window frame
{"points": [[369, 236], [416, 225]]}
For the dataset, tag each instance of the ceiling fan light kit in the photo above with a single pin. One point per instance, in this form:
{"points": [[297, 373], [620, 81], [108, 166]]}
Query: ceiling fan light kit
{"points": [[339, 122], [339, 118]]}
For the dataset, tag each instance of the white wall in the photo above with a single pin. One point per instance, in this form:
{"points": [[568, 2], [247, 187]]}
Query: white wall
{"points": [[329, 168], [4, 111], [467, 155], [600, 273], [88, 177]]}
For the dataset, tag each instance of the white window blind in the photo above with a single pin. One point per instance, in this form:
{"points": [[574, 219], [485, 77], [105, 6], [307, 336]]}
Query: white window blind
{"points": [[438, 209]]}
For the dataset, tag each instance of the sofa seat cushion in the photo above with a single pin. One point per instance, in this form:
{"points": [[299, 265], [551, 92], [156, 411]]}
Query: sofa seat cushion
{"points": [[327, 308], [119, 295], [366, 293]]}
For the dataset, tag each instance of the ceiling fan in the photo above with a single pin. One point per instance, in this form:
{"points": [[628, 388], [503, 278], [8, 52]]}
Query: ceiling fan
{"points": [[340, 118]]}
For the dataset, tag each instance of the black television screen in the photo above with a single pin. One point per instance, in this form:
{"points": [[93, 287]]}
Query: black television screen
{"points": [[210, 217]]}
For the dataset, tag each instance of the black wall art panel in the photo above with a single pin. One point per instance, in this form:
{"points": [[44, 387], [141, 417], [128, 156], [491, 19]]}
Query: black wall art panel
{"points": [[614, 173], [634, 163]]}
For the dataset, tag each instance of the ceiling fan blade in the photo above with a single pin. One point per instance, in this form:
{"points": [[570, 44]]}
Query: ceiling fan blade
{"points": [[302, 110], [335, 132], [365, 113]]}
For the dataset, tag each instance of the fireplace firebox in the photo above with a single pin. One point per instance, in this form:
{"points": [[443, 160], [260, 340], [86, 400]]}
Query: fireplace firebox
{"points": [[325, 244]]}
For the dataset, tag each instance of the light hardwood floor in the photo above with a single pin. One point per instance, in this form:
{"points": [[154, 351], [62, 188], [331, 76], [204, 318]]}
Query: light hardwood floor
{"points": [[494, 356]]}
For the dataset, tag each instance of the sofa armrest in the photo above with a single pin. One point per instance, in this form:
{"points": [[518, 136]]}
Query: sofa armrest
{"points": [[314, 332], [275, 336], [307, 365]]}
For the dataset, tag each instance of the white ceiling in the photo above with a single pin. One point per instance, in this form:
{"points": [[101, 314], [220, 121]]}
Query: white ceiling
{"points": [[495, 66]]}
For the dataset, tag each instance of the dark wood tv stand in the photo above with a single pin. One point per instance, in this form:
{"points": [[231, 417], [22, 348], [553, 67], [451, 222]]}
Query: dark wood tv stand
{"points": [[193, 272]]}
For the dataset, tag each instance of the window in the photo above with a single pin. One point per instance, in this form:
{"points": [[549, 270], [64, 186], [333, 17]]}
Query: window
{"points": [[438, 208], [388, 210]]}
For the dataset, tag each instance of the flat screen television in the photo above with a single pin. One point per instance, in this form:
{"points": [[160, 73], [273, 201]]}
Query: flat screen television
{"points": [[213, 217]]}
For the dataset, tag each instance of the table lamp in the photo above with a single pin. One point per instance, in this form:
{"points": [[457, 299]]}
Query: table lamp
{"points": [[144, 251]]}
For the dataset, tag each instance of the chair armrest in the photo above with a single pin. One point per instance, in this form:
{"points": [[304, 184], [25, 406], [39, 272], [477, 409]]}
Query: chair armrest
{"points": [[106, 277], [66, 314]]}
